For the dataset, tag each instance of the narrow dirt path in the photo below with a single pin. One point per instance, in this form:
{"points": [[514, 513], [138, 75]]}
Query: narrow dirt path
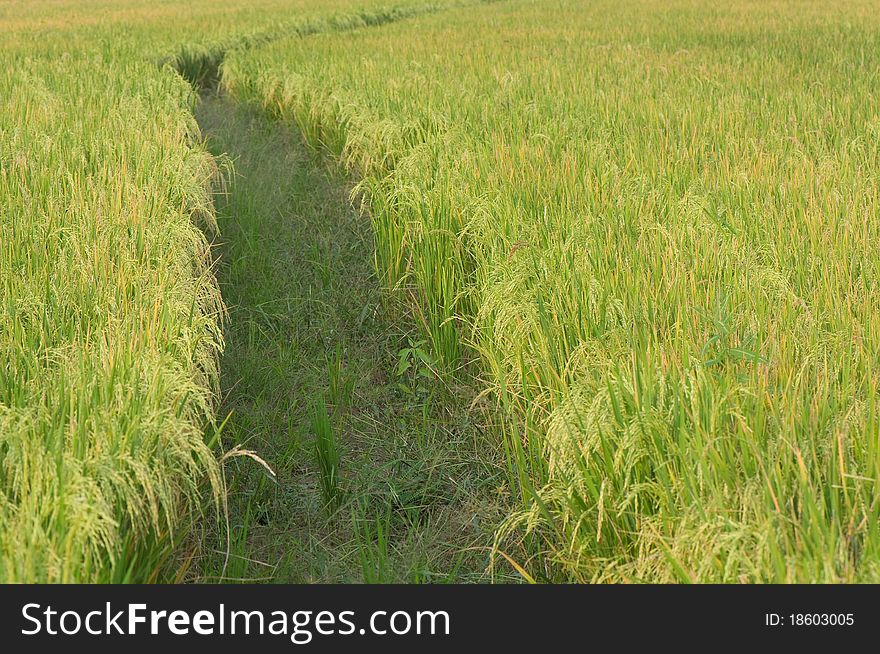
{"points": [[310, 350]]}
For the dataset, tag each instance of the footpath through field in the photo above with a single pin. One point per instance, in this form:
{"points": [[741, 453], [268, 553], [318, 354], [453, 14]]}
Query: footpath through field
{"points": [[381, 476]]}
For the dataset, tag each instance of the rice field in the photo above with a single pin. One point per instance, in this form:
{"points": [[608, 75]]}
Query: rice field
{"points": [[652, 226], [640, 235]]}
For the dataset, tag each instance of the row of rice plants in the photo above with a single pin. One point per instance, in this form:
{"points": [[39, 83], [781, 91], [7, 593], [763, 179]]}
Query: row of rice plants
{"points": [[109, 319]]}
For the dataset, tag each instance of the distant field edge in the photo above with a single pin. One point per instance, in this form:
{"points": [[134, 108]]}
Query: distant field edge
{"points": [[200, 63]]}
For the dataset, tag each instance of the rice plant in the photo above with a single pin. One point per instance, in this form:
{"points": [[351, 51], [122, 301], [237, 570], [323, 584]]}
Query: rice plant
{"points": [[326, 455]]}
